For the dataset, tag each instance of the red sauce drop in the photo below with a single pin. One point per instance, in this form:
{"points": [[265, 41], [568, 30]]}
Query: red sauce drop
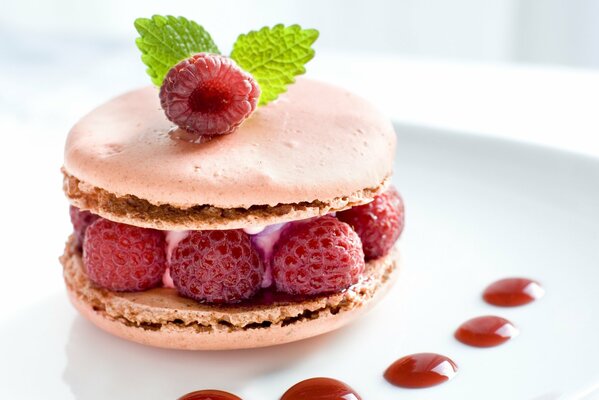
{"points": [[513, 292], [421, 370], [209, 395], [320, 389], [487, 331]]}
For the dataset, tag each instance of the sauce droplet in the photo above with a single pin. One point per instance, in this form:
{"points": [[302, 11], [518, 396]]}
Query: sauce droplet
{"points": [[512, 292], [487, 331], [421, 370], [209, 395], [320, 389]]}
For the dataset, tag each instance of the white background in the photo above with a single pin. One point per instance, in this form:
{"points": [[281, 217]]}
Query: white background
{"points": [[523, 70], [539, 31]]}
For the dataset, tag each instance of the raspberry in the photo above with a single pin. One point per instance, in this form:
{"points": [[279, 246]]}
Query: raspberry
{"points": [[122, 257], [322, 255], [81, 220], [379, 223], [216, 266], [208, 95]]}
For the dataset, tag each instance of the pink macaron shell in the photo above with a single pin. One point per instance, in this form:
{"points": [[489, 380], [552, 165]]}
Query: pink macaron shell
{"points": [[315, 142]]}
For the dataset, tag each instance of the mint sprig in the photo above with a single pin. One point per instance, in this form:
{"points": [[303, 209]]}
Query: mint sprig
{"points": [[166, 40], [275, 56]]}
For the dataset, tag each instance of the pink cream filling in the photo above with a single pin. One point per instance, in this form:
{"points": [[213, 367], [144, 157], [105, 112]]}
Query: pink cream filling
{"points": [[263, 239]]}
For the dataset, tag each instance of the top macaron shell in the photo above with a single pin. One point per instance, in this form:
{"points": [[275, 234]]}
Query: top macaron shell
{"points": [[316, 142]]}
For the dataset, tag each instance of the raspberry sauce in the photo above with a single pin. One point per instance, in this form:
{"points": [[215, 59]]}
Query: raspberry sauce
{"points": [[320, 389], [209, 395], [486, 331], [421, 370], [512, 292]]}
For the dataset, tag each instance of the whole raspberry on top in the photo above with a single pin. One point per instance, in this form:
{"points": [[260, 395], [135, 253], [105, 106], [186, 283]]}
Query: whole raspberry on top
{"points": [[216, 266], [208, 95], [322, 255], [379, 223], [122, 257], [81, 220]]}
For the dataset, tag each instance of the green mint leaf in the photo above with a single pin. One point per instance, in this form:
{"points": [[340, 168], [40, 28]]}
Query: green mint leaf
{"points": [[275, 56], [166, 40]]}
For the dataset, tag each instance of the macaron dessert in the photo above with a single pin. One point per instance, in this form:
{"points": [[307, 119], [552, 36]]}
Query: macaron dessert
{"points": [[231, 204]]}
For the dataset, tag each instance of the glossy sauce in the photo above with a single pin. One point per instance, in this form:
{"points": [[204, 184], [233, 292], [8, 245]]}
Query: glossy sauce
{"points": [[421, 370], [209, 395], [320, 389], [486, 331], [512, 292]]}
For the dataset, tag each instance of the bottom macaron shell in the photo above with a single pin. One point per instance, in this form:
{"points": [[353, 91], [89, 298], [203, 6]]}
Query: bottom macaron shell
{"points": [[160, 317]]}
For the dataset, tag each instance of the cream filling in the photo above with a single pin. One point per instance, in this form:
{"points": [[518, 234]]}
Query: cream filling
{"points": [[173, 238]]}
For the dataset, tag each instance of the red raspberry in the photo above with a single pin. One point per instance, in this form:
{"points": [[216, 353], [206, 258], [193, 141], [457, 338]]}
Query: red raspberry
{"points": [[81, 220], [208, 95], [379, 223], [216, 266], [122, 257], [322, 255]]}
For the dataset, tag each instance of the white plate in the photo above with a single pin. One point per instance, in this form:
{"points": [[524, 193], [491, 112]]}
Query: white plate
{"points": [[477, 210]]}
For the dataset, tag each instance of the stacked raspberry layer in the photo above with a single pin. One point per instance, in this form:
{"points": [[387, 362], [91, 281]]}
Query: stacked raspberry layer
{"points": [[309, 257]]}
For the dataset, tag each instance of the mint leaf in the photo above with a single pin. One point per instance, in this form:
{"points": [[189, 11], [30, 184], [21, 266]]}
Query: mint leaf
{"points": [[274, 56], [166, 40]]}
